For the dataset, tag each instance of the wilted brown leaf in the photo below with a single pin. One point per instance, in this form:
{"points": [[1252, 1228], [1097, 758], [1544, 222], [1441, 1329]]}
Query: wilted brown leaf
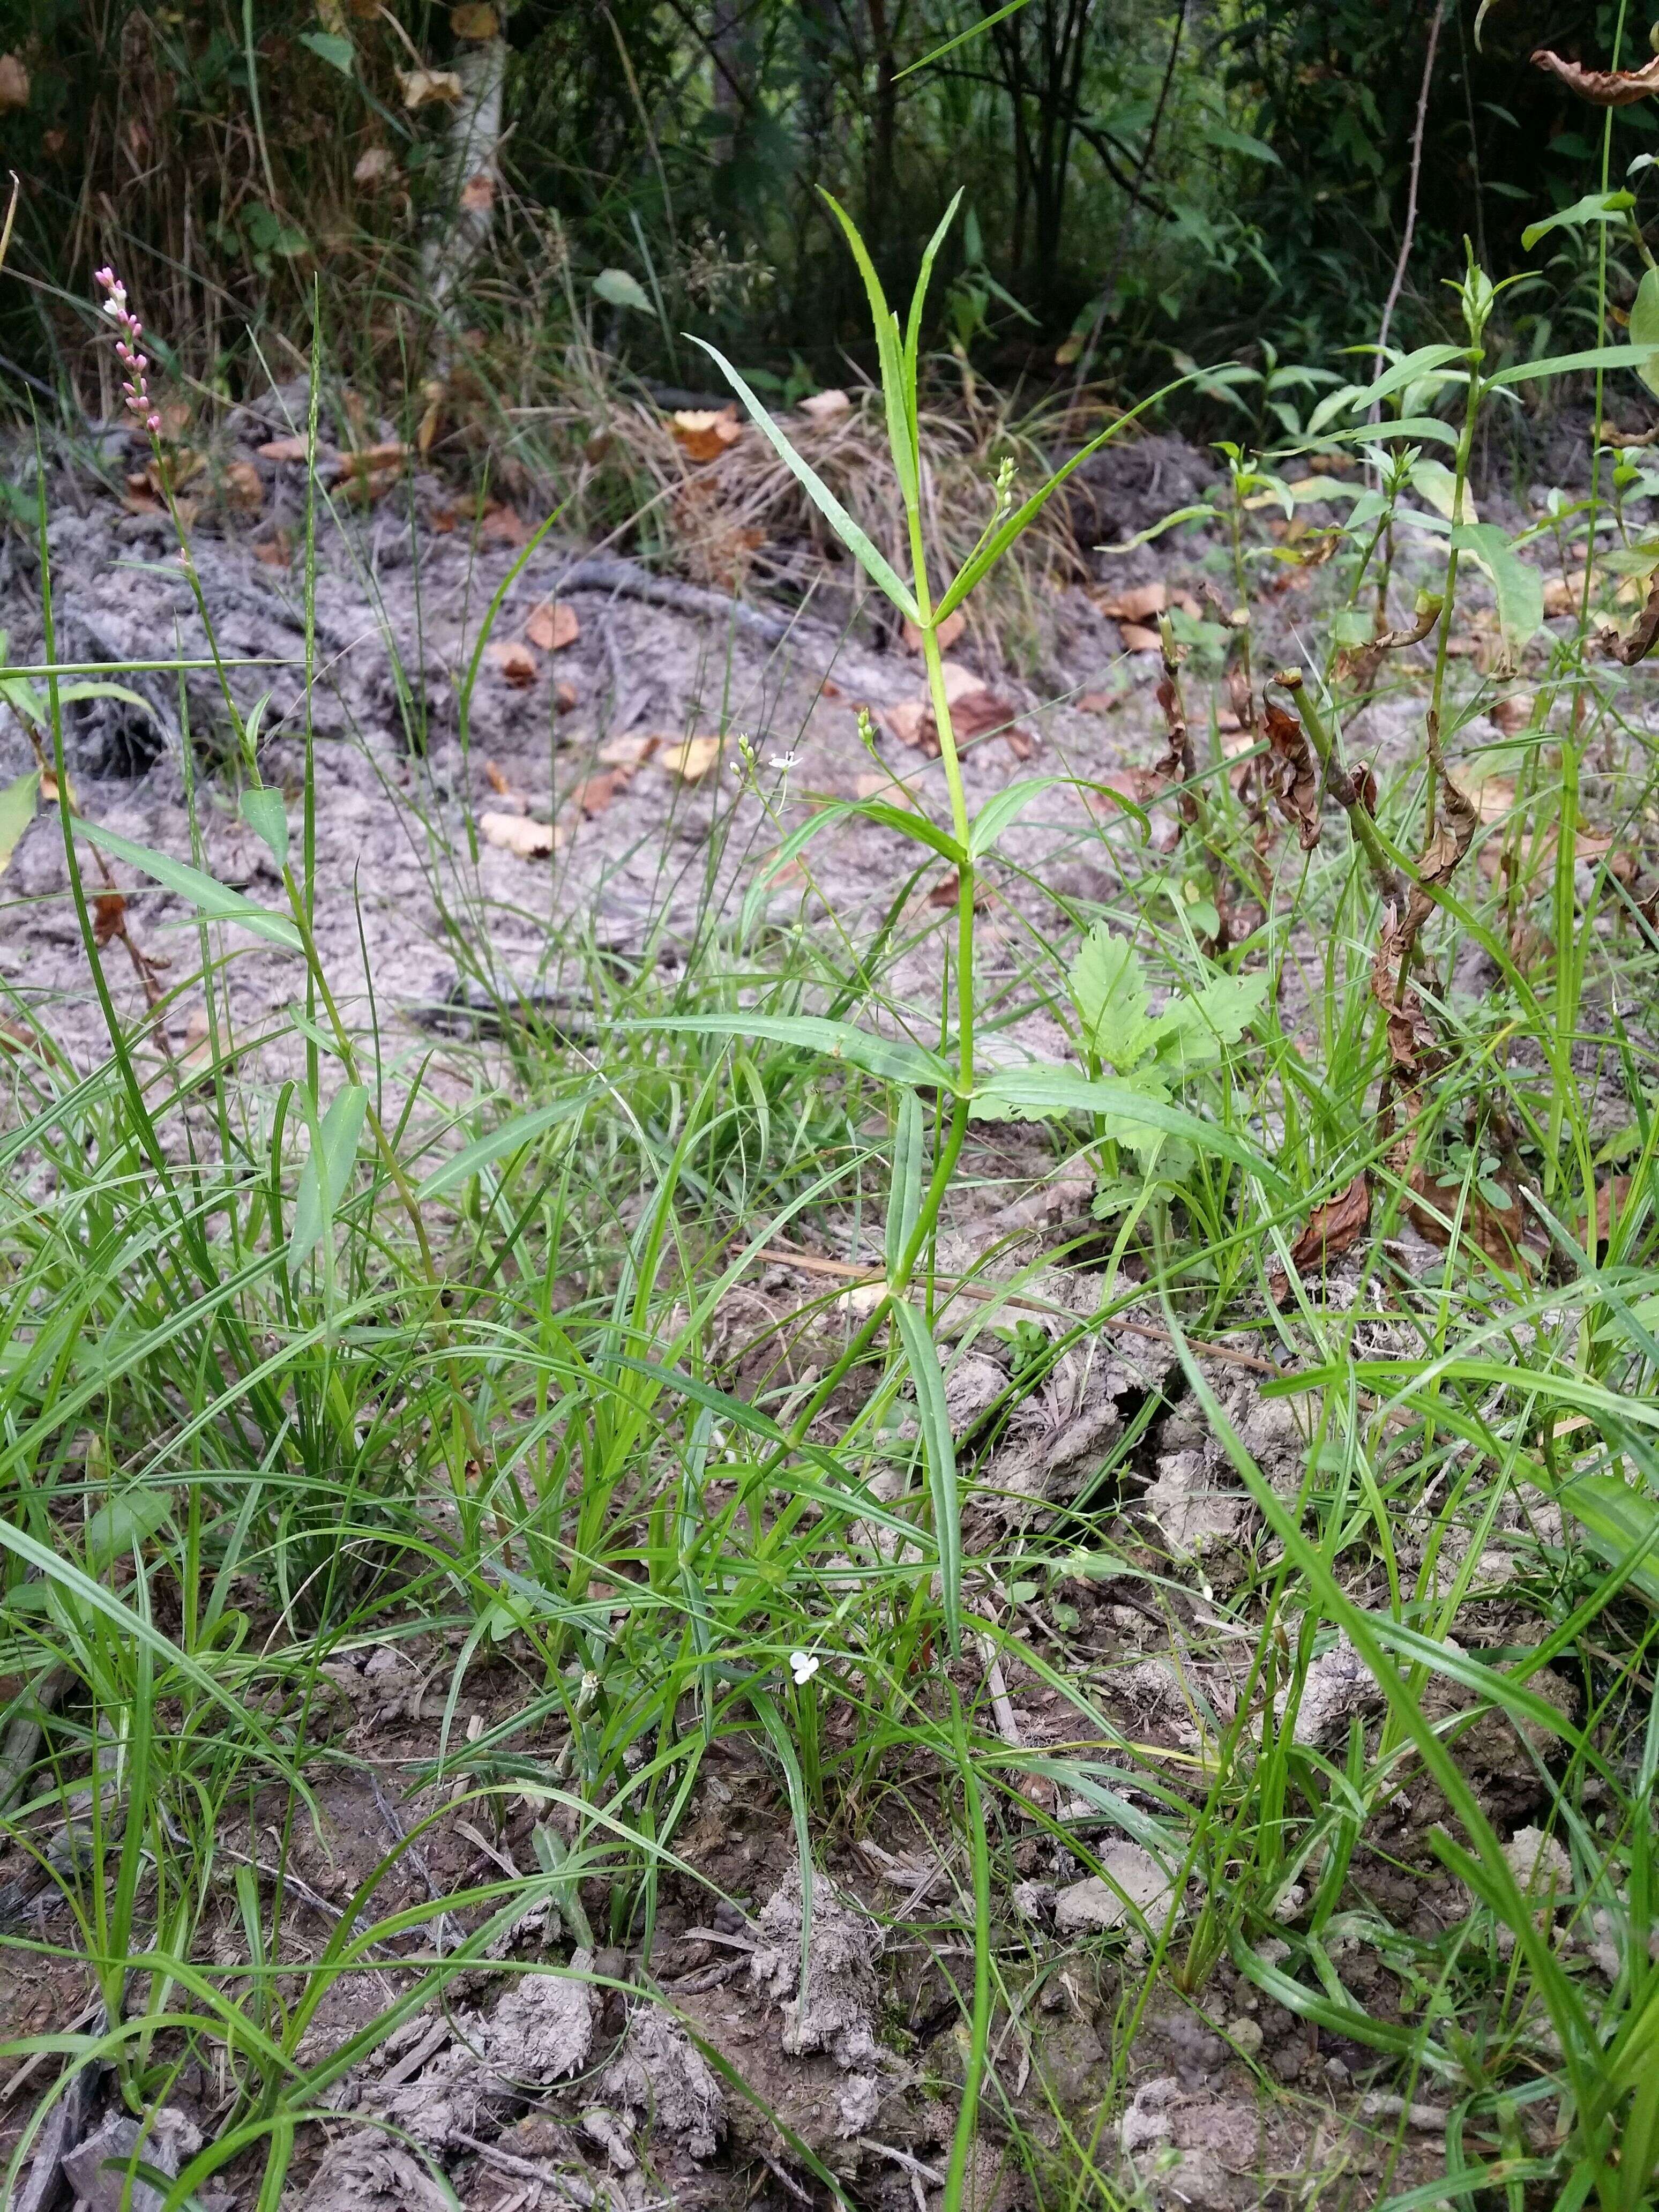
{"points": [[514, 664], [244, 492], [1602, 87], [1295, 780], [373, 165], [977, 714], [500, 784], [1137, 605], [283, 449], [564, 697], [1099, 702], [691, 760], [627, 750], [595, 793], [912, 723], [372, 461], [504, 524], [1139, 639], [1564, 595], [1640, 641], [949, 631], [276, 551], [516, 833], [553, 626], [945, 893], [109, 917], [1501, 1232], [479, 193], [703, 434], [422, 87], [474, 19], [825, 406], [14, 82], [1332, 1229]]}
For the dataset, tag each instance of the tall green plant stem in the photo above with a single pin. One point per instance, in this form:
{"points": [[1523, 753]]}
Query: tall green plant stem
{"points": [[1460, 477]]}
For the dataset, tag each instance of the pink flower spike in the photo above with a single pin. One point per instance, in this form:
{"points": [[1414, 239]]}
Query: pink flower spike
{"points": [[154, 423]]}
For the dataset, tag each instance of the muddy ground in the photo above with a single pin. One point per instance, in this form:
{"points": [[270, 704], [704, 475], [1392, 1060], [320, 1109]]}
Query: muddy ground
{"points": [[538, 2091]]}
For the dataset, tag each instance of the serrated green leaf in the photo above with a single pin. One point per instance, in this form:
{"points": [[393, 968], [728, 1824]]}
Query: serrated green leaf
{"points": [[1107, 983], [922, 1356], [17, 813], [215, 900], [1192, 1031]]}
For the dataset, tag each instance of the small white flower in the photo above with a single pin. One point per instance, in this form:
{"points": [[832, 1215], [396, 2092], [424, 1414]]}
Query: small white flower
{"points": [[782, 761], [803, 1665]]}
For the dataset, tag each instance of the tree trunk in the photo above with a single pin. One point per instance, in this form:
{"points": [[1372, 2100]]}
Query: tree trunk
{"points": [[465, 214]]}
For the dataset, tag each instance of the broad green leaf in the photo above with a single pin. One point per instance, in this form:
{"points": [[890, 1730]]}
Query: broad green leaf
{"points": [[511, 1137], [17, 813], [1191, 1032], [909, 1167], [892, 1058], [266, 816], [1240, 141], [1434, 482], [1423, 362], [1620, 1521], [215, 900], [618, 289], [1418, 428], [1519, 586], [874, 563], [1645, 326], [1595, 207], [1041, 1090], [324, 1179], [330, 48], [922, 1356], [1107, 983], [122, 1522]]}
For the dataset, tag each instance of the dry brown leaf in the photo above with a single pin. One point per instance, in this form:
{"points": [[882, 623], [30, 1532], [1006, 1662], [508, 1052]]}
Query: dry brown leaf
{"points": [[958, 681], [1099, 702], [1332, 1229], [912, 723], [949, 631], [373, 166], [1295, 780], [825, 406], [1137, 605], [1640, 641], [977, 714], [52, 142], [49, 788], [373, 460], [690, 761], [1602, 87], [945, 893], [595, 793], [283, 449], [1501, 1232], [874, 785], [276, 551], [504, 524], [564, 697], [503, 788], [516, 833], [422, 87], [1564, 595], [1611, 1199], [514, 664], [14, 82], [553, 626], [244, 492], [1137, 640], [474, 19], [628, 750], [703, 434], [479, 193], [109, 917], [1513, 713]]}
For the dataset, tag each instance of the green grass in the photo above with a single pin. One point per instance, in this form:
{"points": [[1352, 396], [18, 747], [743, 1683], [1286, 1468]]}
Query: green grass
{"points": [[292, 1373]]}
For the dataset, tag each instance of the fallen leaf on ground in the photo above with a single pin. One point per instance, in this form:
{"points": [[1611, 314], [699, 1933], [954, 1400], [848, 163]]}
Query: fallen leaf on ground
{"points": [[373, 165], [564, 697], [422, 87], [824, 406], [627, 751], [1136, 604], [516, 833], [504, 524], [474, 19], [912, 723], [1611, 1199], [948, 632], [1512, 713], [553, 625], [283, 449], [109, 917], [595, 793], [1137, 640], [1502, 1232], [499, 784], [243, 490], [514, 664], [690, 761], [703, 434], [1099, 702], [1564, 595], [372, 461], [276, 551], [479, 193], [1332, 1229]]}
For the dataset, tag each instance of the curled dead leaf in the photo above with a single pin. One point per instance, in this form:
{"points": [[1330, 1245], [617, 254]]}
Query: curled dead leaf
{"points": [[1640, 641], [703, 434], [1501, 1232], [109, 917], [825, 406], [564, 697], [627, 750], [479, 193], [1512, 713], [1294, 780], [514, 664], [595, 793], [1332, 1229], [1139, 604], [1136, 638], [284, 449], [516, 833], [1602, 87], [422, 87], [553, 626], [276, 551], [691, 760]]}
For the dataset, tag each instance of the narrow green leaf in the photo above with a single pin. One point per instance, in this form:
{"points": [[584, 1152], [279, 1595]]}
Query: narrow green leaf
{"points": [[122, 1522], [890, 1058], [1645, 326], [329, 47], [1566, 364], [974, 31], [215, 900], [1621, 1522], [513, 1136], [1004, 808], [17, 813], [266, 816], [918, 298], [922, 1357], [324, 1178], [909, 1163], [1043, 1089], [1424, 362], [1518, 586], [900, 411], [1595, 207], [874, 563]]}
